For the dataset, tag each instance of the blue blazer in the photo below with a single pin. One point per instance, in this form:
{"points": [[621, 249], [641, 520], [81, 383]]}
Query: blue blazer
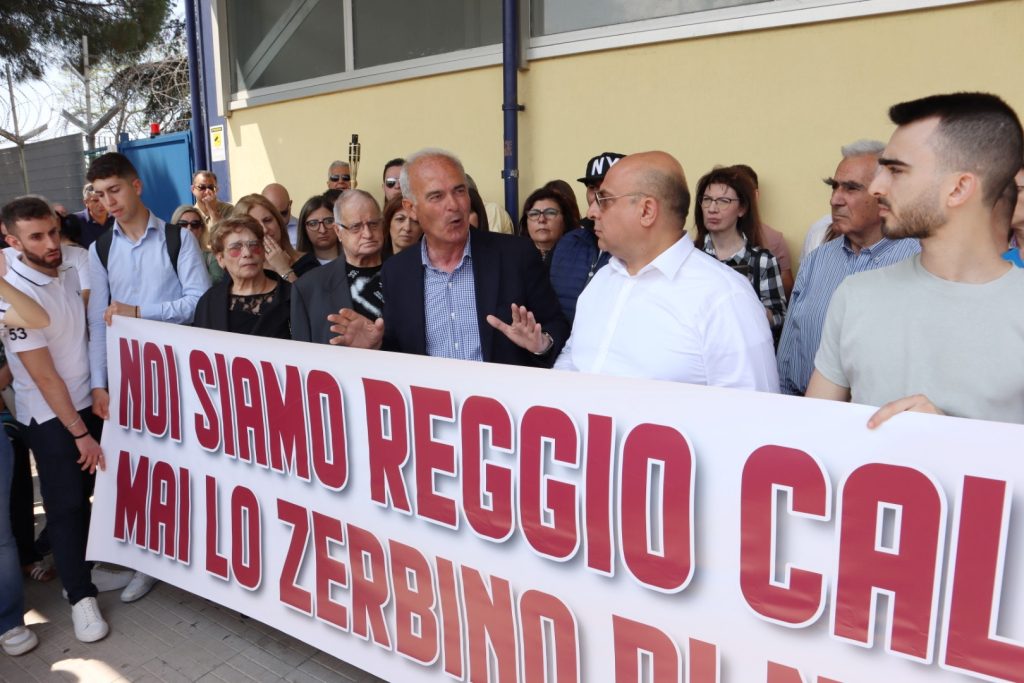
{"points": [[506, 270]]}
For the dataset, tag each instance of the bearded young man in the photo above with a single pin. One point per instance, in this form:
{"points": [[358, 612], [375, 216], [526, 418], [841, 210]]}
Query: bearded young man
{"points": [[939, 332]]}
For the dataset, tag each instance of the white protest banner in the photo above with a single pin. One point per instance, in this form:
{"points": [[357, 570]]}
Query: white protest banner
{"points": [[429, 519]]}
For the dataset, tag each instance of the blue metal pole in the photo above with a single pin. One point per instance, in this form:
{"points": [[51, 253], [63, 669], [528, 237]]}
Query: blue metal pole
{"points": [[511, 107], [197, 124]]}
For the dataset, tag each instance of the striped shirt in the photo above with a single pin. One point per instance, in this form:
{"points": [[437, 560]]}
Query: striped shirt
{"points": [[819, 275], [449, 308]]}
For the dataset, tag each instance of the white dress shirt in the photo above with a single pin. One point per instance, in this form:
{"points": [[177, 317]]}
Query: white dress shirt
{"points": [[684, 317]]}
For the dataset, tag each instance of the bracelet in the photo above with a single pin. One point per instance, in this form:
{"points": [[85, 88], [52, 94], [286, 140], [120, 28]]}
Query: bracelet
{"points": [[76, 421], [81, 436], [290, 272]]}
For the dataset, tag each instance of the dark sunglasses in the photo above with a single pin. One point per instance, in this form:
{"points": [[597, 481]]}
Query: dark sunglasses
{"points": [[191, 225], [335, 177], [391, 182], [204, 188]]}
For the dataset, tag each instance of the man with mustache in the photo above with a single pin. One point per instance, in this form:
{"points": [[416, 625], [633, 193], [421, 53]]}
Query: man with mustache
{"points": [[859, 247], [938, 332]]}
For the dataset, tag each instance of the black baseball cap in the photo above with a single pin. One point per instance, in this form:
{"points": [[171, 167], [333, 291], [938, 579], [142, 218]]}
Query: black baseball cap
{"points": [[598, 166]]}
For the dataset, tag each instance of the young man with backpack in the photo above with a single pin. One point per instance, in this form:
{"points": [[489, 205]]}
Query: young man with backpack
{"points": [[140, 268]]}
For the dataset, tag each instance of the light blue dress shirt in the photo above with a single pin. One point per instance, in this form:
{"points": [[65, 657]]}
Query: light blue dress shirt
{"points": [[140, 274]]}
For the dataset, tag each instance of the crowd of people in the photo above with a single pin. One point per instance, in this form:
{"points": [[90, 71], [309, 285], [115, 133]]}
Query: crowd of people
{"points": [[907, 296]]}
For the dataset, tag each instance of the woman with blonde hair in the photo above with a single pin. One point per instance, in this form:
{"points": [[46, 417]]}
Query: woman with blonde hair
{"points": [[280, 256]]}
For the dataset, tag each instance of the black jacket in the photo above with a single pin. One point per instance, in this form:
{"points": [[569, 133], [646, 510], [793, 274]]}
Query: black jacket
{"points": [[212, 309]]}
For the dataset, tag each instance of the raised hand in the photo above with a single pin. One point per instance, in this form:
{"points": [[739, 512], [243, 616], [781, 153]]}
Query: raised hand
{"points": [[356, 330], [524, 331]]}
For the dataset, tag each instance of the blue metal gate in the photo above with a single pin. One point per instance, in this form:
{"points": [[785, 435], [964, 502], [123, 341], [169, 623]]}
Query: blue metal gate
{"points": [[165, 165]]}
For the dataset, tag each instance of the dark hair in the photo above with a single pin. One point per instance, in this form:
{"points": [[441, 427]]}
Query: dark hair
{"points": [[749, 224], [565, 189], [25, 208], [477, 206], [397, 161], [743, 168], [236, 222], [332, 196], [203, 172], [392, 207], [978, 133], [315, 202], [110, 165], [569, 223]]}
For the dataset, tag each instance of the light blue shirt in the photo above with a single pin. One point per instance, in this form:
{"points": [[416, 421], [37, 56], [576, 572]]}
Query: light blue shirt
{"points": [[819, 276], [449, 308], [141, 274]]}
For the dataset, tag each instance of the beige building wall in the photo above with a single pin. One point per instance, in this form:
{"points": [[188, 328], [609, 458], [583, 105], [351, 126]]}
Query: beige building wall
{"points": [[782, 100]]}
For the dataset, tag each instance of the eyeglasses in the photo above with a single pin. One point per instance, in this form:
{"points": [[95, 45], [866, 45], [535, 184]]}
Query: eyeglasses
{"points": [[357, 228], [191, 225], [390, 182], [548, 214], [321, 224], [720, 202], [601, 199], [334, 177], [234, 249], [204, 188]]}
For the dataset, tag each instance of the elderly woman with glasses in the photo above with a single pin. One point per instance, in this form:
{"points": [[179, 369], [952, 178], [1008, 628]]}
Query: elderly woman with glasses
{"points": [[188, 216], [547, 216], [251, 299], [729, 228], [316, 229]]}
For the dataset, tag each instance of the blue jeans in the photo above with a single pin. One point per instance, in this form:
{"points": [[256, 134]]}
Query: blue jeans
{"points": [[12, 599]]}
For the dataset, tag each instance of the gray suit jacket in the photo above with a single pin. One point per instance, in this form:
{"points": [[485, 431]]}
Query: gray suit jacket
{"points": [[315, 295]]}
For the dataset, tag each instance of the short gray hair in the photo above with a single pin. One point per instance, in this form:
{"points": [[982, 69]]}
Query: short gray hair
{"points": [[863, 147], [421, 155], [347, 197], [337, 162]]}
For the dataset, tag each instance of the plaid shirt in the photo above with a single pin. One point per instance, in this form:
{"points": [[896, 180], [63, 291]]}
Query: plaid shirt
{"points": [[449, 307], [771, 293]]}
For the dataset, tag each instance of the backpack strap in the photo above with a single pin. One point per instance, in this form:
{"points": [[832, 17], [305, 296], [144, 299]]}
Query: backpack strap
{"points": [[172, 233], [103, 246]]}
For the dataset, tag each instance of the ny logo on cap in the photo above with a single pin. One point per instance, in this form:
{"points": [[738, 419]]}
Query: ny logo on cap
{"points": [[597, 164]]}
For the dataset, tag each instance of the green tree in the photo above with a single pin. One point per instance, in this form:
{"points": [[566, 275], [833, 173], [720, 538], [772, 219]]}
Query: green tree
{"points": [[35, 33]]}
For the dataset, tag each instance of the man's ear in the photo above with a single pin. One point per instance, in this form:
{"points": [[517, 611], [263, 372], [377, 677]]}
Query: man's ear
{"points": [[649, 210], [12, 241], [137, 186], [410, 209], [963, 188]]}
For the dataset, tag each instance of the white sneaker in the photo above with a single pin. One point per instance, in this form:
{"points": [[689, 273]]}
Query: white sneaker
{"points": [[89, 623], [137, 587], [18, 640]]}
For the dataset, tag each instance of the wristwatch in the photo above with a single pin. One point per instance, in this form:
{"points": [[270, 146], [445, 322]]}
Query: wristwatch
{"points": [[551, 342]]}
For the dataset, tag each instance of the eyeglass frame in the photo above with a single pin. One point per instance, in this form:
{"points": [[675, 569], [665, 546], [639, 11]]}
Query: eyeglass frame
{"points": [[549, 213], [319, 224], [357, 228], [234, 250], [598, 198], [719, 202]]}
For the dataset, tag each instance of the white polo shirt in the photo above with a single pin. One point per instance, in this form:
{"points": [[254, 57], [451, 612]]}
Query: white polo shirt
{"points": [[61, 297], [684, 317]]}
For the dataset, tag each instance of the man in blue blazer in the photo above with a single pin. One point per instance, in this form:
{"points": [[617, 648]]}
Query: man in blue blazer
{"points": [[463, 293]]}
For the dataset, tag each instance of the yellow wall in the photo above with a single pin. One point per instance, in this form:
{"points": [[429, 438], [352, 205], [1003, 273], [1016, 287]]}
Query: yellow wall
{"points": [[782, 100]]}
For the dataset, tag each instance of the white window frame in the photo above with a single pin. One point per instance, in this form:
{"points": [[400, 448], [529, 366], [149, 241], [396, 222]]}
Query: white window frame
{"points": [[773, 14]]}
